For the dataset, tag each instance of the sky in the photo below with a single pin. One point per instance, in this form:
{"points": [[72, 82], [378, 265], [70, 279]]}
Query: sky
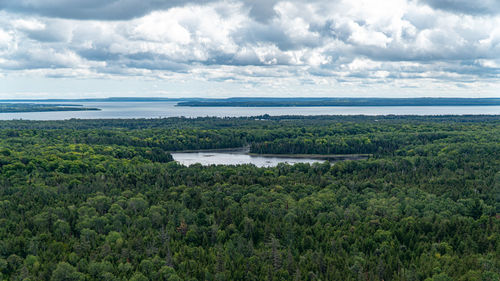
{"points": [[210, 48]]}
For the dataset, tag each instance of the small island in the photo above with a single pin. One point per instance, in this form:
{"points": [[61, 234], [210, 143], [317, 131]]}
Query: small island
{"points": [[34, 107]]}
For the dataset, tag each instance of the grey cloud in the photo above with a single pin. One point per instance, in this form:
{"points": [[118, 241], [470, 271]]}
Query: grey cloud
{"points": [[92, 9], [331, 29], [479, 7], [147, 61], [254, 34], [98, 55], [29, 60], [420, 20], [440, 52], [262, 42], [157, 65], [246, 56], [470, 67], [53, 32], [259, 33], [260, 10], [463, 71]]}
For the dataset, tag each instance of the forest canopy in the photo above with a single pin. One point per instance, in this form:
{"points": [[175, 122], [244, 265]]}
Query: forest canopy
{"points": [[104, 200]]}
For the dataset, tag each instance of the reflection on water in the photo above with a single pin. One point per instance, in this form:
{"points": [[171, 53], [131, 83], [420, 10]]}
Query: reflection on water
{"points": [[235, 158]]}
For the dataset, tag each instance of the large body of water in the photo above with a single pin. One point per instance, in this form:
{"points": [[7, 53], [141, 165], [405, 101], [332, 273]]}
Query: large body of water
{"points": [[168, 109]]}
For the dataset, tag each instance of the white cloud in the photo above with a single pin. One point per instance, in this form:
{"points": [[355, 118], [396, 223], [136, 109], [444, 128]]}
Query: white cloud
{"points": [[351, 43], [159, 27], [6, 39], [28, 24], [363, 36], [489, 63], [362, 64]]}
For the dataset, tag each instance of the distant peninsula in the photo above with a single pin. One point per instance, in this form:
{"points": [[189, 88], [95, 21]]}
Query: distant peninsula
{"points": [[291, 102], [36, 105], [33, 107]]}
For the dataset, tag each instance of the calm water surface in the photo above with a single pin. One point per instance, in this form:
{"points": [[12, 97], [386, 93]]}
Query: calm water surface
{"points": [[234, 158], [127, 110]]}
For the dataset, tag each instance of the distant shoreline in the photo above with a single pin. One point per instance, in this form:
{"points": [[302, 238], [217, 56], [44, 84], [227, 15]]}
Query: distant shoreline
{"points": [[329, 105], [34, 107], [339, 102], [282, 102]]}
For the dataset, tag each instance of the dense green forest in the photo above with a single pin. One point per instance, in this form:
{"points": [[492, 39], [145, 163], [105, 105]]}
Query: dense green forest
{"points": [[103, 200]]}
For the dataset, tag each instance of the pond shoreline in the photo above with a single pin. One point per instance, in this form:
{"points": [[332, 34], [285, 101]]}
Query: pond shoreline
{"points": [[239, 150], [318, 156], [246, 151]]}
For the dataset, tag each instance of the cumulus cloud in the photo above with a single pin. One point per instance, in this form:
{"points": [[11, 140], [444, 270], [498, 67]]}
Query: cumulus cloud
{"points": [[91, 9], [314, 42], [261, 10], [483, 7]]}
